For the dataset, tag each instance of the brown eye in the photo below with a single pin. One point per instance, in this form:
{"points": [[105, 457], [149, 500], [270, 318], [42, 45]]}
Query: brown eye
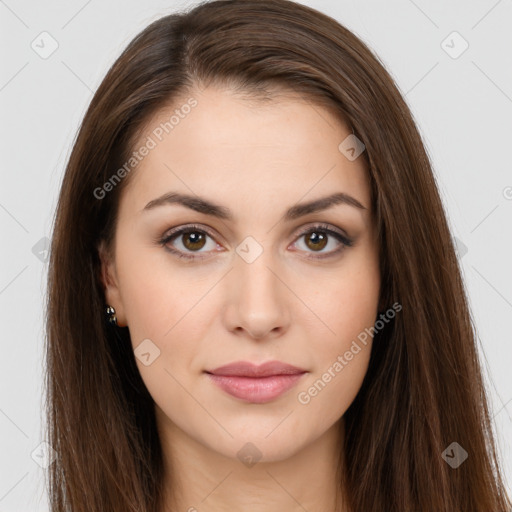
{"points": [[316, 240], [186, 241], [193, 240]]}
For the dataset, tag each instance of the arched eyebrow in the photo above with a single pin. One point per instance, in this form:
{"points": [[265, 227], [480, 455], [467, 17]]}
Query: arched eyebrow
{"points": [[207, 207]]}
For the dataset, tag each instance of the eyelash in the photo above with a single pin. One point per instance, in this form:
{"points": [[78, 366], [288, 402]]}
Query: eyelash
{"points": [[192, 228]]}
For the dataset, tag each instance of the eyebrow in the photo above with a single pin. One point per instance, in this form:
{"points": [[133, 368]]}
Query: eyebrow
{"points": [[206, 207]]}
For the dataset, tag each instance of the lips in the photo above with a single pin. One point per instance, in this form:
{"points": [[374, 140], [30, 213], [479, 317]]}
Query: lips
{"points": [[247, 369], [256, 384]]}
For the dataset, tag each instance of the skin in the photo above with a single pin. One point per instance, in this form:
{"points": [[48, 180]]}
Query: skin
{"points": [[258, 160]]}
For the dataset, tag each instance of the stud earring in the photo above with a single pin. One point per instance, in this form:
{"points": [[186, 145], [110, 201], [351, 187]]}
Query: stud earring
{"points": [[111, 315]]}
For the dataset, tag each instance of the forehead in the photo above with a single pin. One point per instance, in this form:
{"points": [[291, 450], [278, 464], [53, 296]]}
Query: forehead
{"points": [[281, 148]]}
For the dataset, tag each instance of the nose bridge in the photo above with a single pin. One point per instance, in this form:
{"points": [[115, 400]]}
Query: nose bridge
{"points": [[257, 302], [252, 270]]}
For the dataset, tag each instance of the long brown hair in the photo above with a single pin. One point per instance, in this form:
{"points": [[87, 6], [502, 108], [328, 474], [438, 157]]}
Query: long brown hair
{"points": [[423, 389]]}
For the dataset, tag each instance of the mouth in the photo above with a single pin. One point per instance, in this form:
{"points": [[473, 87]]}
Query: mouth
{"points": [[256, 384]]}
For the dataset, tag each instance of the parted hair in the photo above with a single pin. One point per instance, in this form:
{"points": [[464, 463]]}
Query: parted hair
{"points": [[423, 389]]}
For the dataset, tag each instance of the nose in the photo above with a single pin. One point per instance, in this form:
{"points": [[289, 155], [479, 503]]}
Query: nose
{"points": [[258, 300]]}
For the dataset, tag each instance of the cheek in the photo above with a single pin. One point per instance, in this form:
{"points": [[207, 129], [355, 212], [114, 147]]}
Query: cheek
{"points": [[349, 305], [156, 293], [167, 306], [165, 334], [328, 394], [342, 358]]}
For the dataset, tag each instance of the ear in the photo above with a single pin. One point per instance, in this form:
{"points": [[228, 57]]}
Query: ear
{"points": [[110, 283]]}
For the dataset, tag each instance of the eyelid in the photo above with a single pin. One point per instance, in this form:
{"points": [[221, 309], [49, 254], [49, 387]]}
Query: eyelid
{"points": [[331, 230], [179, 230], [188, 227]]}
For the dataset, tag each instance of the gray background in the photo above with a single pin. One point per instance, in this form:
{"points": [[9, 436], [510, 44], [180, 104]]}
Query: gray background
{"points": [[462, 104]]}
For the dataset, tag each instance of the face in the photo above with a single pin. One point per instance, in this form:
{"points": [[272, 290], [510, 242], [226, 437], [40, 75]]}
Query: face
{"points": [[258, 277]]}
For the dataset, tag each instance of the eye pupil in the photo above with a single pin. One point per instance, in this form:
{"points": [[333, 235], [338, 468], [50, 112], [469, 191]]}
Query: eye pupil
{"points": [[194, 239], [317, 238], [197, 240]]}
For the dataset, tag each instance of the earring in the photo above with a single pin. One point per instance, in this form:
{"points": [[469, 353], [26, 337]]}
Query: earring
{"points": [[111, 315]]}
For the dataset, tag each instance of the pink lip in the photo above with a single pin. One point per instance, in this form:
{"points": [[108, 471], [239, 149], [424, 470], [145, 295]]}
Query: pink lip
{"points": [[256, 384]]}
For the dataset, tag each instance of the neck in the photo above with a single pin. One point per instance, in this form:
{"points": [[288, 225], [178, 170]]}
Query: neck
{"points": [[200, 479]]}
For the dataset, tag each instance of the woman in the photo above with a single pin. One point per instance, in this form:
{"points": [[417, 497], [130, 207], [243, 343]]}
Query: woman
{"points": [[254, 299]]}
